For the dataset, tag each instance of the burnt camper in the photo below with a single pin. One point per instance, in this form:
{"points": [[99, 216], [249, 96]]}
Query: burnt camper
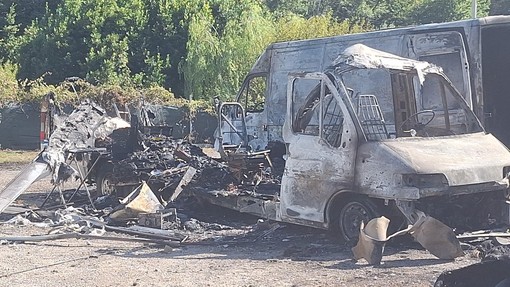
{"points": [[373, 133]]}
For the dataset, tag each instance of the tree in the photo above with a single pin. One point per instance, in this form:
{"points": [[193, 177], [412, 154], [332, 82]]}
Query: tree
{"points": [[102, 41], [8, 82], [221, 52], [280, 8], [436, 11], [9, 42]]}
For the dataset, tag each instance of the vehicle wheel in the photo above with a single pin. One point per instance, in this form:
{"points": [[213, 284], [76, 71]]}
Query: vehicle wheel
{"points": [[104, 184], [352, 214]]}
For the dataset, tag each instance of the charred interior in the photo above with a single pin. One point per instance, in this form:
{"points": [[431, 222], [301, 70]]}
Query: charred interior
{"points": [[496, 80], [467, 212]]}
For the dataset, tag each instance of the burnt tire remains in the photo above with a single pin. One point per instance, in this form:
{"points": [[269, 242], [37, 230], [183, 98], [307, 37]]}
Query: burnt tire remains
{"points": [[351, 215], [104, 183]]}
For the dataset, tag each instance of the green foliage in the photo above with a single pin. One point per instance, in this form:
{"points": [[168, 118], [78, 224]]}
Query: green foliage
{"points": [[9, 43], [101, 41], [435, 11], [160, 47], [281, 8], [107, 94], [108, 60], [384, 13], [294, 27], [8, 82], [220, 53]]}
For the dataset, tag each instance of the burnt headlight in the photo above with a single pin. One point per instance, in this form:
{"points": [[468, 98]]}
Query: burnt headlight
{"points": [[425, 180]]}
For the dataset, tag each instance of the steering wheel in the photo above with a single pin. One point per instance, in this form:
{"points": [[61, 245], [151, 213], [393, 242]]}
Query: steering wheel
{"points": [[418, 126]]}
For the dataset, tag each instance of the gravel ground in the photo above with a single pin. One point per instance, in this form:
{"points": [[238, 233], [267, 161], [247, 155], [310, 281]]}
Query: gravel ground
{"points": [[238, 256]]}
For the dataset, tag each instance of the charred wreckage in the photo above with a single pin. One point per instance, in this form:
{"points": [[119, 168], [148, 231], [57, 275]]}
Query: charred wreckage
{"points": [[357, 163]]}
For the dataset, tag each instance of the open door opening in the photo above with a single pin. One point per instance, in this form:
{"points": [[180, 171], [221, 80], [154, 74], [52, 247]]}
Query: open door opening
{"points": [[496, 80]]}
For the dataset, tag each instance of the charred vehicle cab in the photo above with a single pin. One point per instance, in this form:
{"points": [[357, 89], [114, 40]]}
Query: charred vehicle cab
{"points": [[410, 139], [375, 134]]}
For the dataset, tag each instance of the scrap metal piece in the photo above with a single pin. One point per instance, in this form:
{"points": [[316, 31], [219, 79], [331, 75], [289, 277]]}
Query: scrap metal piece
{"points": [[30, 174], [41, 238], [472, 235], [157, 220], [372, 239], [432, 234], [436, 237], [149, 232], [502, 240], [141, 200], [186, 179]]}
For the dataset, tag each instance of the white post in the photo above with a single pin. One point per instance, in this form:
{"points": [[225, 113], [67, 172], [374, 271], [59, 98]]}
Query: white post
{"points": [[190, 119], [473, 9]]}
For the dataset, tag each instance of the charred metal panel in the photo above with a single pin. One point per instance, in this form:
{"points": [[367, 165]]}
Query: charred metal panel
{"points": [[312, 175], [31, 173], [447, 50], [310, 56], [464, 160], [265, 208], [306, 59], [315, 170], [263, 63]]}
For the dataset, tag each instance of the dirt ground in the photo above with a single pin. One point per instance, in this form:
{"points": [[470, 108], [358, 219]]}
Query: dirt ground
{"points": [[237, 254]]}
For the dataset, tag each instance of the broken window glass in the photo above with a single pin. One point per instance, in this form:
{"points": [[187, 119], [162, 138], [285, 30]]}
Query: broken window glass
{"points": [[442, 113], [305, 106], [307, 110], [332, 121], [432, 96], [253, 94]]}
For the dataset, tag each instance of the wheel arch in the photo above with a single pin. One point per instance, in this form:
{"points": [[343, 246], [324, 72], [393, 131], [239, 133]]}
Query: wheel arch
{"points": [[342, 197], [335, 202]]}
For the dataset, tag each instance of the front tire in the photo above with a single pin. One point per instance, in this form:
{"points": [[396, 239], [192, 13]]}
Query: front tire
{"points": [[351, 215]]}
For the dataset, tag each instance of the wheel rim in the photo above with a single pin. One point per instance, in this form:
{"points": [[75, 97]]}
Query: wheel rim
{"points": [[351, 217], [107, 187]]}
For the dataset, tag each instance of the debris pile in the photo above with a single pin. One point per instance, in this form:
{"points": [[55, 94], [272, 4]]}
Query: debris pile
{"points": [[493, 248], [162, 162], [88, 141], [79, 130]]}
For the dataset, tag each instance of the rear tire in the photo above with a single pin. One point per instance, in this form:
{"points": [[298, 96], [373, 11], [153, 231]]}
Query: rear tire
{"points": [[104, 183]]}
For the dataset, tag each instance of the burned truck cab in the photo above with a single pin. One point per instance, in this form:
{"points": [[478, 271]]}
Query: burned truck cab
{"points": [[377, 132]]}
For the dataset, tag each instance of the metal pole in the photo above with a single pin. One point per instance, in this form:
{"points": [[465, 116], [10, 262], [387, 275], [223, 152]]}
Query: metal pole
{"points": [[190, 118], [473, 9]]}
